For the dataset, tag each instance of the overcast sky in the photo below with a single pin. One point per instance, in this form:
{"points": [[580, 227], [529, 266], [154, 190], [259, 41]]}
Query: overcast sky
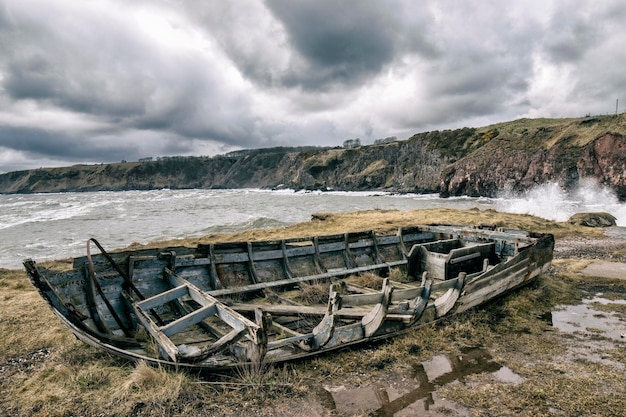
{"points": [[107, 80]]}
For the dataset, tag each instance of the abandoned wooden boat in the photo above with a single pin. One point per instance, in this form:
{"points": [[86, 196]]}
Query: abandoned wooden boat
{"points": [[222, 305]]}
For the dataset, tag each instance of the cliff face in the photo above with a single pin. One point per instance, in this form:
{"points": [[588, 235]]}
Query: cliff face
{"points": [[405, 166], [187, 173], [477, 162], [565, 151], [414, 165]]}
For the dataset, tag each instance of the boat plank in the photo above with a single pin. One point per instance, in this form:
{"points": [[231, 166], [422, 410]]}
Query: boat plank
{"points": [[445, 303], [296, 280], [188, 320], [228, 315], [163, 297], [372, 321]]}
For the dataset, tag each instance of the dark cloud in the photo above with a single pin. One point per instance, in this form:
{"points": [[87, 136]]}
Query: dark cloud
{"points": [[344, 43], [85, 67], [117, 75], [340, 42], [74, 86], [570, 43], [112, 80], [322, 44], [39, 143]]}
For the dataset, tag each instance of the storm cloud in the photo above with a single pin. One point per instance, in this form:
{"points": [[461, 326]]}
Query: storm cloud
{"points": [[92, 82]]}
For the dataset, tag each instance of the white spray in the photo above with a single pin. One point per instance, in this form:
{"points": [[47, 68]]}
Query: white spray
{"points": [[551, 201]]}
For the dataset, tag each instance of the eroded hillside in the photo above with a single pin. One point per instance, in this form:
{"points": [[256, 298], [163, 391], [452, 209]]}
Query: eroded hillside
{"points": [[479, 162]]}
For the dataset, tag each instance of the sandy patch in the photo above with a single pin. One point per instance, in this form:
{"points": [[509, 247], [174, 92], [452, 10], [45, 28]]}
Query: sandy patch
{"points": [[605, 269]]}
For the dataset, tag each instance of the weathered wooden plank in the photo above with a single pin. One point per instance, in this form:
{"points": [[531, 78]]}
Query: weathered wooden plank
{"points": [[346, 334], [308, 250], [388, 240], [286, 330], [280, 309], [403, 294], [401, 285], [464, 258], [162, 298], [230, 258], [215, 330], [314, 311], [325, 328], [420, 301], [444, 303], [443, 285], [220, 344], [226, 314], [285, 263], [372, 321], [410, 237], [352, 300], [494, 285], [498, 273], [266, 255], [296, 280], [251, 265], [294, 340], [322, 332], [188, 320], [167, 347], [182, 262]]}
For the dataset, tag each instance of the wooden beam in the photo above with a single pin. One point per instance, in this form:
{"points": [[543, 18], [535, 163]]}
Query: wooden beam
{"points": [[296, 280], [188, 320]]}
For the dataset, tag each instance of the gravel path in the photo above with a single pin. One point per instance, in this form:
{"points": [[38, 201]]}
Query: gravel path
{"points": [[610, 247]]}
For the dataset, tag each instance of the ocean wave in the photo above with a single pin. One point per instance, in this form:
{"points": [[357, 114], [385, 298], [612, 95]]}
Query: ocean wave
{"points": [[552, 201], [252, 223]]}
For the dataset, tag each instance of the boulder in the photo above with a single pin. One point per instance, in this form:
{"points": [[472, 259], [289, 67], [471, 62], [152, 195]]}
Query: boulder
{"points": [[593, 219]]}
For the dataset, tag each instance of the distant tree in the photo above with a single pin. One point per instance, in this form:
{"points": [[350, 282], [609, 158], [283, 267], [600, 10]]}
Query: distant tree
{"points": [[352, 143]]}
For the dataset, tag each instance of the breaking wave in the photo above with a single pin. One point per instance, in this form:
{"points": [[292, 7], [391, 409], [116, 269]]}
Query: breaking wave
{"points": [[551, 201]]}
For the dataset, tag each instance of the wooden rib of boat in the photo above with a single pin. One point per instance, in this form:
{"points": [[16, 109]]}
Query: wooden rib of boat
{"points": [[222, 305]]}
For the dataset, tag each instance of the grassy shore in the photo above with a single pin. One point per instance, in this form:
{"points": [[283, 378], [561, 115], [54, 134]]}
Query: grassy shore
{"points": [[45, 371]]}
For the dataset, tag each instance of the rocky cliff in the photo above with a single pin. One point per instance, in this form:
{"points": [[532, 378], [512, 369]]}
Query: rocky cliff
{"points": [[526, 153], [478, 162]]}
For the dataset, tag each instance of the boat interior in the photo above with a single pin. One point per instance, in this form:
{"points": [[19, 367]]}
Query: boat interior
{"points": [[270, 299]]}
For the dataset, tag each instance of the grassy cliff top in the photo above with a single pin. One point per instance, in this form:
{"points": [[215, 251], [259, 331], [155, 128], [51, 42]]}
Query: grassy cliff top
{"points": [[584, 129]]}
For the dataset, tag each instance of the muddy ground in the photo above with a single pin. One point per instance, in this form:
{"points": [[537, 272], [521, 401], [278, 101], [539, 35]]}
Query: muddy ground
{"points": [[575, 344]]}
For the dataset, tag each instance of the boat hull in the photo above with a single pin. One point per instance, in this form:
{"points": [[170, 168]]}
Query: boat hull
{"points": [[221, 306]]}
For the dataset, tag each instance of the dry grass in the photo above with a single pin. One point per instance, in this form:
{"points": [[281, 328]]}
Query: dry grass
{"points": [[44, 371], [21, 312], [152, 385], [384, 221], [313, 293], [368, 280], [564, 128]]}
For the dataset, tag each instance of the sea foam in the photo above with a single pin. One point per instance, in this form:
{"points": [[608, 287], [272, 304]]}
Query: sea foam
{"points": [[551, 201]]}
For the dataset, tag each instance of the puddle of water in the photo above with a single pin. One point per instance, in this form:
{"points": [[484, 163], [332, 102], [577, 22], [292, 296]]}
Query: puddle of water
{"points": [[505, 374], [585, 319], [416, 394]]}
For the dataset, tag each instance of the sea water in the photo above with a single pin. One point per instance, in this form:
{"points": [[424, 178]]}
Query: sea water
{"points": [[54, 226]]}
